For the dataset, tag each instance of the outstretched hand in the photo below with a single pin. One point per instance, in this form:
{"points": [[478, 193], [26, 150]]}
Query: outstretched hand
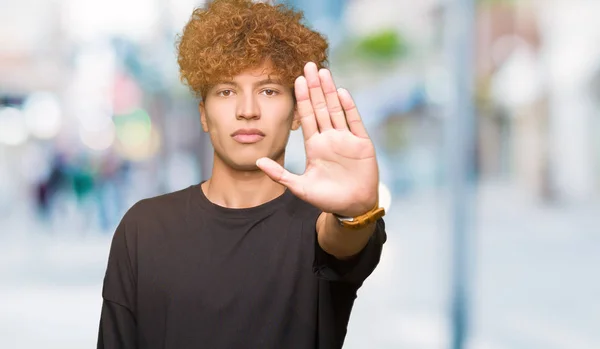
{"points": [[341, 173]]}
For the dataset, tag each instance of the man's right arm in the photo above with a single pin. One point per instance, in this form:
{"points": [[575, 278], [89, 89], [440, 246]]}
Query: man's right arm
{"points": [[118, 329]]}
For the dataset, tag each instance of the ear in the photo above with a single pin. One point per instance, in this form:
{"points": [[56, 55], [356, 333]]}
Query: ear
{"points": [[296, 120], [202, 111]]}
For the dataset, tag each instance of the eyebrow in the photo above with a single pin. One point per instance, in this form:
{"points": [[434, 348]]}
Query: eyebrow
{"points": [[258, 83]]}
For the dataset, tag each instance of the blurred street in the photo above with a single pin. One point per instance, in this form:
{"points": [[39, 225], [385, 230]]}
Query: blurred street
{"points": [[535, 285], [94, 117]]}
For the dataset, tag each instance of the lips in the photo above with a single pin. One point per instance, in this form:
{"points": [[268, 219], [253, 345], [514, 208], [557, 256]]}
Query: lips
{"points": [[248, 135]]}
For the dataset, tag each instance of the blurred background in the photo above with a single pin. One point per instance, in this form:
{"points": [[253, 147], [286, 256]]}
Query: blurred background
{"points": [[93, 118]]}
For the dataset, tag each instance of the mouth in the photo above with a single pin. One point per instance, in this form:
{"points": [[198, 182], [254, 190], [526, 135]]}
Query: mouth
{"points": [[248, 136]]}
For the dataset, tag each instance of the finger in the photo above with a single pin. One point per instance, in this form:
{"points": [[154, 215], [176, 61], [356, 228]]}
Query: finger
{"points": [[333, 102], [352, 116], [307, 115], [282, 176], [317, 97]]}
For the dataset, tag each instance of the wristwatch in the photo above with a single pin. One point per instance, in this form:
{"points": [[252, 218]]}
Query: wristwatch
{"points": [[362, 220]]}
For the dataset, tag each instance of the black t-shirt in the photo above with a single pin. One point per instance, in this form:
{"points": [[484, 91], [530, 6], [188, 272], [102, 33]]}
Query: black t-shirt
{"points": [[186, 273]]}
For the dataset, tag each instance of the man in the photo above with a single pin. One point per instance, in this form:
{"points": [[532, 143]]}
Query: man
{"points": [[253, 257]]}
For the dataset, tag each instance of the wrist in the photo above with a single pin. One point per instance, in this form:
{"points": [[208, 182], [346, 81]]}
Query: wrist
{"points": [[357, 210], [361, 220]]}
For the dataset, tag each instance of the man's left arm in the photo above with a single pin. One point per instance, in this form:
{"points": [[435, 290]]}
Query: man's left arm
{"points": [[344, 254], [341, 174], [341, 242]]}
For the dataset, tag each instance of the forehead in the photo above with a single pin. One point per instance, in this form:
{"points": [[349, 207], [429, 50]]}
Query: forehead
{"points": [[262, 73]]}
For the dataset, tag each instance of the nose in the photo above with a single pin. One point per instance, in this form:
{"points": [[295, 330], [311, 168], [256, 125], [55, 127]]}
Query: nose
{"points": [[247, 107]]}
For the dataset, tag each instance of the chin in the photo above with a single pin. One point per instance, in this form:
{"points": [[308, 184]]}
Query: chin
{"points": [[246, 161], [242, 164], [246, 167]]}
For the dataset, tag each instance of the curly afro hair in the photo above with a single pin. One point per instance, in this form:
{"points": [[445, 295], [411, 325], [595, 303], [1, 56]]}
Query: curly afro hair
{"points": [[229, 36]]}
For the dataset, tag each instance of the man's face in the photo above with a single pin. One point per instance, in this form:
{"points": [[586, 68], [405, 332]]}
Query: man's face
{"points": [[249, 117]]}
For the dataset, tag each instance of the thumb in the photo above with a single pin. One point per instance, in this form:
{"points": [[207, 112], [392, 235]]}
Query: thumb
{"points": [[282, 176]]}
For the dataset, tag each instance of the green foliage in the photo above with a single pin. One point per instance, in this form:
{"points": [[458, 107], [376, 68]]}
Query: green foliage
{"points": [[385, 45]]}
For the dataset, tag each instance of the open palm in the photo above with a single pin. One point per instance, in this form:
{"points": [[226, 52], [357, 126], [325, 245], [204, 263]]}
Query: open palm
{"points": [[341, 173]]}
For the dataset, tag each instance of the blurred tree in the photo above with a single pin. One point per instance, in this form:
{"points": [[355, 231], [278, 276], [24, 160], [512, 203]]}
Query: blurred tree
{"points": [[383, 47], [387, 45]]}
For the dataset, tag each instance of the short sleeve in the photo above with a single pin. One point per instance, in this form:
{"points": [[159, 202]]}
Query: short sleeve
{"points": [[354, 270]]}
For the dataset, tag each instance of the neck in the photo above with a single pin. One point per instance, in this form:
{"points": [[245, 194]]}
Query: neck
{"points": [[232, 188]]}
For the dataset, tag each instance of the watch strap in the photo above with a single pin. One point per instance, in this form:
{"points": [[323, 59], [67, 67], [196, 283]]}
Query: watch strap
{"points": [[363, 220]]}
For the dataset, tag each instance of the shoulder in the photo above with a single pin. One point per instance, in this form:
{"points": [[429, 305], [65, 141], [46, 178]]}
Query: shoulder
{"points": [[159, 209], [147, 226], [169, 202]]}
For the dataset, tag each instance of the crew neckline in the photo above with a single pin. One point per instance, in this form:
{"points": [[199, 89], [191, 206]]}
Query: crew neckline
{"points": [[264, 208]]}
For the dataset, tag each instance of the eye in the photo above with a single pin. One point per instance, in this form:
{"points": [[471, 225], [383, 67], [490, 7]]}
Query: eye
{"points": [[224, 93], [269, 92]]}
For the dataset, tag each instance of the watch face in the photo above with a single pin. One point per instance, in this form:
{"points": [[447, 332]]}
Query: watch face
{"points": [[345, 219]]}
